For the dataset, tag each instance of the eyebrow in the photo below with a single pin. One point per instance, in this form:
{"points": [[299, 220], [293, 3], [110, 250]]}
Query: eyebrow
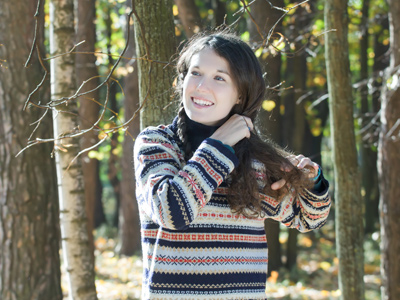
{"points": [[220, 71]]}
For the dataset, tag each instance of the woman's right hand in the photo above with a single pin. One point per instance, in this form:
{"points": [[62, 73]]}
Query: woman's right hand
{"points": [[234, 130]]}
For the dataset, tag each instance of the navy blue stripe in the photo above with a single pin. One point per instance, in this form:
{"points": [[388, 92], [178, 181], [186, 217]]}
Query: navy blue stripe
{"points": [[209, 280]]}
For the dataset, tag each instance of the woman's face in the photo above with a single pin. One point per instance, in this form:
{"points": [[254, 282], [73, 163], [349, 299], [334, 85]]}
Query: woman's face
{"points": [[209, 92]]}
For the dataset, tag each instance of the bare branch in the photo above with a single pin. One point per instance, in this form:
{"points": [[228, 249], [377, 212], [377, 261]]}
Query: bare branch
{"points": [[36, 16]]}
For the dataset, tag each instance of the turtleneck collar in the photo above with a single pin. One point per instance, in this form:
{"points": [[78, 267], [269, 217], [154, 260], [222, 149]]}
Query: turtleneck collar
{"points": [[197, 132]]}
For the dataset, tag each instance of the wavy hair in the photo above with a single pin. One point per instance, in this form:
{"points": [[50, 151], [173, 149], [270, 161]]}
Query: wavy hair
{"points": [[243, 196]]}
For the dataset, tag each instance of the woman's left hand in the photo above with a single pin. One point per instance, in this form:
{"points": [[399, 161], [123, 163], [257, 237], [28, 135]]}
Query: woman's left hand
{"points": [[300, 162]]}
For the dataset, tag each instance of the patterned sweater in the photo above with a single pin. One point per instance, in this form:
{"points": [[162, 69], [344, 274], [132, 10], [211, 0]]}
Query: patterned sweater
{"points": [[193, 246]]}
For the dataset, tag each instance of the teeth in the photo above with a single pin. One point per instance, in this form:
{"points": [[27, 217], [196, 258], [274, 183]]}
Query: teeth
{"points": [[202, 102]]}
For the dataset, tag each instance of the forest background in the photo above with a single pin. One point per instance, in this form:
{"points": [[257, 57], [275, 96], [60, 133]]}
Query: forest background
{"points": [[116, 77]]}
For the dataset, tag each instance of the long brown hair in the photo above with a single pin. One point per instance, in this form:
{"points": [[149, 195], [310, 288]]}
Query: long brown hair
{"points": [[247, 74]]}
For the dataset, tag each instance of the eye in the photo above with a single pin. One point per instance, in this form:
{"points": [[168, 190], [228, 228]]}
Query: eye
{"points": [[219, 78], [195, 73]]}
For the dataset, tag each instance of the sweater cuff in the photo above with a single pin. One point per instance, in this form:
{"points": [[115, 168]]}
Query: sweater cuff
{"points": [[227, 146], [224, 149], [321, 185]]}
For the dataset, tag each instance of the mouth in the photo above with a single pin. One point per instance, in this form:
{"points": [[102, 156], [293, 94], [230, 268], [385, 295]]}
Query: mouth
{"points": [[202, 102]]}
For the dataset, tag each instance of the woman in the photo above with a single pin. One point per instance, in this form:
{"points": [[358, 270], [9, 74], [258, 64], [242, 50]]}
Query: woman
{"points": [[206, 182]]}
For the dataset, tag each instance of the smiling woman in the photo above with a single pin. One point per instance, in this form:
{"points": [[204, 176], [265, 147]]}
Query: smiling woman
{"points": [[207, 182], [209, 92]]}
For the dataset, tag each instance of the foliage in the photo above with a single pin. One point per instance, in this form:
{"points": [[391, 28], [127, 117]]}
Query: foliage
{"points": [[119, 278]]}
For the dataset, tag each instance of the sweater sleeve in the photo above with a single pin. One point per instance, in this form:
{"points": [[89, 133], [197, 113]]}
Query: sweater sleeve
{"points": [[168, 192], [307, 211]]}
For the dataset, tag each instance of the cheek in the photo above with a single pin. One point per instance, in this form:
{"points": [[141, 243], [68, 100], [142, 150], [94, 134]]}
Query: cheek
{"points": [[189, 81]]}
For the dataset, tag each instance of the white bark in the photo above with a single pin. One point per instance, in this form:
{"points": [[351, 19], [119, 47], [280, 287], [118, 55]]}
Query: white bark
{"points": [[76, 253]]}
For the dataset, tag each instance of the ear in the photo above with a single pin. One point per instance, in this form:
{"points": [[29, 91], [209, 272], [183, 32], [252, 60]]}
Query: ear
{"points": [[238, 101]]}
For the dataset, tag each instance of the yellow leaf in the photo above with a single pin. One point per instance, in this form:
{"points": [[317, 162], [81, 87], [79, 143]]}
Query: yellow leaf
{"points": [[274, 277], [279, 44], [177, 31], [370, 269], [325, 293], [386, 42], [116, 151], [268, 105], [316, 131], [282, 109], [102, 135], [258, 52], [175, 10], [325, 265], [306, 242]]}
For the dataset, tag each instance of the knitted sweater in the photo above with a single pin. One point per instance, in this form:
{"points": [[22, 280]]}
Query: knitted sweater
{"points": [[193, 246]]}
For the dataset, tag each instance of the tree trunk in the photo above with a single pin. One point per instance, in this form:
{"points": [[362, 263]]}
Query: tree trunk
{"points": [[295, 111], [389, 164], [219, 8], [349, 217], [88, 109], [113, 161], [189, 16], [76, 252], [129, 224], [29, 228], [155, 79], [297, 139], [269, 120], [368, 156]]}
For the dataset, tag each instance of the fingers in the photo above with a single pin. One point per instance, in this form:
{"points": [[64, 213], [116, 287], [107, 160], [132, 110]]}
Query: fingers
{"points": [[236, 128], [248, 122], [278, 184], [301, 162]]}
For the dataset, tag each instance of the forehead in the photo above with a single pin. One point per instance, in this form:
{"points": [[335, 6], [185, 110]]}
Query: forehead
{"points": [[209, 58]]}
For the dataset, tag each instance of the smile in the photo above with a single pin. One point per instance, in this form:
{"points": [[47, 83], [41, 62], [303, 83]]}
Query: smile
{"points": [[202, 102]]}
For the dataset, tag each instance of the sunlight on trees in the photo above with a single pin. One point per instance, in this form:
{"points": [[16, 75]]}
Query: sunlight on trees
{"points": [[293, 57]]}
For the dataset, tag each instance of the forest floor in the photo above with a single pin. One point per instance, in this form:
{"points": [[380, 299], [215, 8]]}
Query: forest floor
{"points": [[315, 278]]}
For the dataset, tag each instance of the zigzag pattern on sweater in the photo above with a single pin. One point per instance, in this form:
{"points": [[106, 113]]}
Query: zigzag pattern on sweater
{"points": [[194, 246]]}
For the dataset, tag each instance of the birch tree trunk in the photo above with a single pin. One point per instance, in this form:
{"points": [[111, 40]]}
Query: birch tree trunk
{"points": [[73, 220], [29, 225], [349, 205], [156, 19], [389, 164]]}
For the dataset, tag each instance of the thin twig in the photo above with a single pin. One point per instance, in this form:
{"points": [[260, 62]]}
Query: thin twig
{"points": [[36, 16]]}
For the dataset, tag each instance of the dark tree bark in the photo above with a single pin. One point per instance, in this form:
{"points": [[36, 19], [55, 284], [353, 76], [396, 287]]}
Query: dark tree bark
{"points": [[269, 121], [129, 224], [114, 160], [368, 156], [296, 127], [189, 16], [219, 8], [29, 228], [389, 164], [88, 109], [155, 79], [298, 132], [349, 204]]}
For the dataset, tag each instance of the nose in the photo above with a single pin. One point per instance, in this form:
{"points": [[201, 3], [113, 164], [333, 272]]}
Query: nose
{"points": [[203, 85]]}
